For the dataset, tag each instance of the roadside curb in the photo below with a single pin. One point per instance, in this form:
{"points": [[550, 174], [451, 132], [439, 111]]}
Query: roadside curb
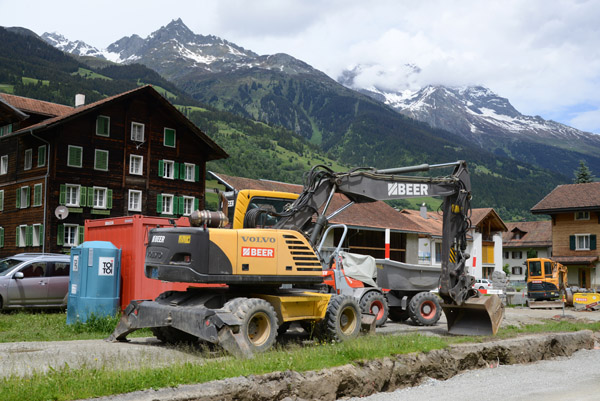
{"points": [[368, 377]]}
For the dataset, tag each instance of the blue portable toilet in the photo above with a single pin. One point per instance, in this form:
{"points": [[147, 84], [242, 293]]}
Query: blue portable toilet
{"points": [[95, 281]]}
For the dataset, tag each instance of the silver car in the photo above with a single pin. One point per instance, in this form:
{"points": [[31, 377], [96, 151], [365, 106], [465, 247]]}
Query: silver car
{"points": [[37, 280]]}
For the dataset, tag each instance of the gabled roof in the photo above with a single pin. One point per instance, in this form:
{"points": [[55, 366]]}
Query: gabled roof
{"points": [[9, 113], [35, 106], [533, 234], [375, 215], [432, 225], [571, 197], [487, 216], [217, 151]]}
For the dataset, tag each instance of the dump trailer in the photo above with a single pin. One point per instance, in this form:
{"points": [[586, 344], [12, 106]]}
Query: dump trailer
{"points": [[274, 276]]}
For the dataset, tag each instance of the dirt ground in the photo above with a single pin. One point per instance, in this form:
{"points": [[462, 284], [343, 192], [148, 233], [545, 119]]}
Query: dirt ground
{"points": [[26, 357]]}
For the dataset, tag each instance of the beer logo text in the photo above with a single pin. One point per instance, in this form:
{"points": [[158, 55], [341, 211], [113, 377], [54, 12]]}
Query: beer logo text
{"points": [[254, 252], [407, 189]]}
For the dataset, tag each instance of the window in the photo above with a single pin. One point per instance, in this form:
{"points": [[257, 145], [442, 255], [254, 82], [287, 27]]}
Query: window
{"points": [[28, 159], [506, 255], [582, 242], [438, 252], [61, 269], [137, 132], [99, 198], [6, 129], [188, 205], [101, 160], [4, 164], [189, 172], [103, 126], [136, 164], [38, 235], [582, 215], [517, 255], [69, 235], [37, 195], [135, 200], [22, 236], [72, 195], [23, 197], [165, 204], [1, 200], [168, 170], [1, 237], [41, 160], [169, 137], [517, 270], [75, 156]]}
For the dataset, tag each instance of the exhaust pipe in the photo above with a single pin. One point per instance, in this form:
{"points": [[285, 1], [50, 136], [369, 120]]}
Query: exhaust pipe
{"points": [[478, 316]]}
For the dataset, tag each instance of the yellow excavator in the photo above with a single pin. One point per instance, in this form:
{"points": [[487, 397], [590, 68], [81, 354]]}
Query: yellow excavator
{"points": [[275, 275], [547, 283]]}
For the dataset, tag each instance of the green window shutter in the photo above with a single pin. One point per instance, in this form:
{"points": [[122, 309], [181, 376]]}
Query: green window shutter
{"points": [[60, 235], [1, 237], [572, 242], [1, 200], [41, 235], [17, 241], [593, 242], [82, 196], [196, 173], [29, 236], [62, 198], [27, 196], [182, 171], [41, 156], [169, 138], [109, 203], [181, 205], [176, 172], [101, 160], [196, 203], [159, 203], [90, 197], [75, 157], [80, 235], [161, 168], [37, 195], [18, 198]]}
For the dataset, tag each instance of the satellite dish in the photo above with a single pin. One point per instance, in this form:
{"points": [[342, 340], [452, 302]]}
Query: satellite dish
{"points": [[61, 212]]}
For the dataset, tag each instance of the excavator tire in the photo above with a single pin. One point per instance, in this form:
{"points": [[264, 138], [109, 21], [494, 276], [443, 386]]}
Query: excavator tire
{"points": [[259, 322], [398, 314], [342, 319], [374, 302], [424, 309]]}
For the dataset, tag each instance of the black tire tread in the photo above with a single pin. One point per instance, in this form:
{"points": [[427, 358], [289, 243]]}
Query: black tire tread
{"points": [[414, 307]]}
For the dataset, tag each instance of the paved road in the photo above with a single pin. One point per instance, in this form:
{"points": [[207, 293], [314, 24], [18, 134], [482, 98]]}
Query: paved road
{"points": [[575, 378]]}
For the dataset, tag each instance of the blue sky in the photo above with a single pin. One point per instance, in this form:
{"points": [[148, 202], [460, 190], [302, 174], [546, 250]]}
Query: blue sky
{"points": [[544, 56]]}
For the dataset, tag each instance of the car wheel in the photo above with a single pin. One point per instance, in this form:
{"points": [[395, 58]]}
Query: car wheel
{"points": [[482, 288]]}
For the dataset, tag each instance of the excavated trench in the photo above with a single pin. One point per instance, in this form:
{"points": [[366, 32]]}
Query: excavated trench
{"points": [[368, 377]]}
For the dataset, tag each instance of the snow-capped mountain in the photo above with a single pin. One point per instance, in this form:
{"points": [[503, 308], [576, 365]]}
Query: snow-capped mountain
{"points": [[474, 112], [175, 51], [76, 47]]}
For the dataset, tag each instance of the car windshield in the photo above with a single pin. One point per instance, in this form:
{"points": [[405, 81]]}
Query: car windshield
{"points": [[6, 265]]}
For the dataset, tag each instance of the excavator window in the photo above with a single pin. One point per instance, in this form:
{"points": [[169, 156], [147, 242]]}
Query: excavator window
{"points": [[548, 268], [535, 268], [270, 205]]}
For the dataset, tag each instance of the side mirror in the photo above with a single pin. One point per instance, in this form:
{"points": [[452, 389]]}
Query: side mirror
{"points": [[18, 275]]}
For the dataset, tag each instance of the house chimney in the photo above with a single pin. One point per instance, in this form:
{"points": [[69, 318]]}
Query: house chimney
{"points": [[423, 210], [79, 100]]}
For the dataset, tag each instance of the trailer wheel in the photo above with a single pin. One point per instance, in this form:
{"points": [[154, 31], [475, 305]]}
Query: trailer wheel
{"points": [[374, 302], [397, 314], [259, 323], [424, 309], [342, 319]]}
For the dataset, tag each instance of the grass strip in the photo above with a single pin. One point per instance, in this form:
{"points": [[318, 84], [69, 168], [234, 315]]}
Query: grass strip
{"points": [[69, 384]]}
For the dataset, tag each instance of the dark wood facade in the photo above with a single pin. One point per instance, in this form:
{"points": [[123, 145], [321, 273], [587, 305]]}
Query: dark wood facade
{"points": [[103, 184]]}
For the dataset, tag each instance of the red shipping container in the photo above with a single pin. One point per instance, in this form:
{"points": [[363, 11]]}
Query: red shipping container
{"points": [[130, 234]]}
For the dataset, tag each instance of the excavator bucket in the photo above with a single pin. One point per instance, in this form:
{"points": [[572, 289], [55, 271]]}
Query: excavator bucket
{"points": [[476, 316]]}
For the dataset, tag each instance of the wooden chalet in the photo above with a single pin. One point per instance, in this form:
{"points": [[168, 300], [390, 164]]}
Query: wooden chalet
{"points": [[133, 153]]}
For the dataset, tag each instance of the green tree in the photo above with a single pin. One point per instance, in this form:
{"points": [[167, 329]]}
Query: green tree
{"points": [[583, 174]]}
